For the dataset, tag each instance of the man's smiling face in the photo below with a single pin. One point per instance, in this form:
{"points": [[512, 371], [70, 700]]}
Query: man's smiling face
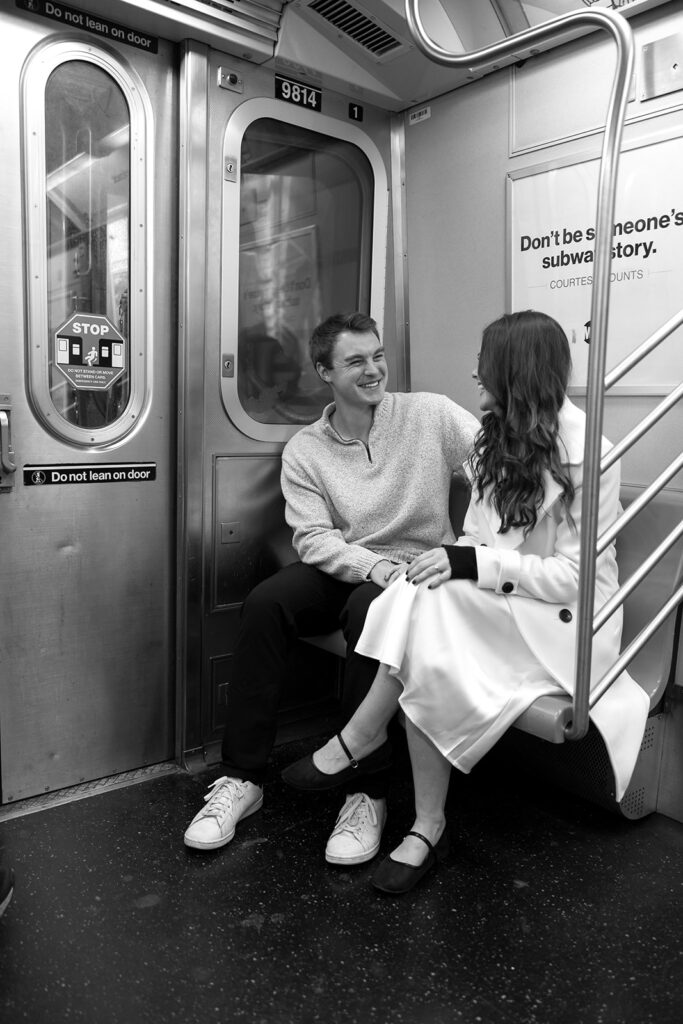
{"points": [[359, 370]]}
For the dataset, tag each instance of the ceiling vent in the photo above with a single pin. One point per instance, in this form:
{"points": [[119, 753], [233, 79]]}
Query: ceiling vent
{"points": [[366, 31]]}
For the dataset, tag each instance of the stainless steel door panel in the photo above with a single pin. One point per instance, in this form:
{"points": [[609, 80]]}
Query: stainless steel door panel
{"points": [[251, 537], [87, 569], [233, 506]]}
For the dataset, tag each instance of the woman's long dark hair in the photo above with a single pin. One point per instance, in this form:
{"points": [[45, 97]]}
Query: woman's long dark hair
{"points": [[524, 364]]}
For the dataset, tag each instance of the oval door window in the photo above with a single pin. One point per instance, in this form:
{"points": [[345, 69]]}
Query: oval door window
{"points": [[306, 210], [89, 170], [87, 181]]}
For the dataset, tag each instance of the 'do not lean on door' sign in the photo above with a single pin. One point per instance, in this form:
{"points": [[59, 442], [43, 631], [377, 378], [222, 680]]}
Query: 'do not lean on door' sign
{"points": [[90, 352]]}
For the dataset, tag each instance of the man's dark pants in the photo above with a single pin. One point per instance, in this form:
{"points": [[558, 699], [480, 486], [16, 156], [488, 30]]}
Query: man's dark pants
{"points": [[297, 601]]}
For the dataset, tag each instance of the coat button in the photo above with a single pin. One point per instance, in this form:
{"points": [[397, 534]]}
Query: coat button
{"points": [[566, 615], [507, 588]]}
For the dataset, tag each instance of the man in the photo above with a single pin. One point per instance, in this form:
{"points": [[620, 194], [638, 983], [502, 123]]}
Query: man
{"points": [[366, 489]]}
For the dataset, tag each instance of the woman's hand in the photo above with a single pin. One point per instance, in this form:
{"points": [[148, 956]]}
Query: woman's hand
{"points": [[433, 566]]}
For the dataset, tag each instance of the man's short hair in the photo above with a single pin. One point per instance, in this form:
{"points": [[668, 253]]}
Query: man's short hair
{"points": [[324, 337]]}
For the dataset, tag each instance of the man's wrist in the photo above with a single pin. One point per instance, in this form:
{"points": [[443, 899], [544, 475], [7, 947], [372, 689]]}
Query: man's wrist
{"points": [[380, 561]]}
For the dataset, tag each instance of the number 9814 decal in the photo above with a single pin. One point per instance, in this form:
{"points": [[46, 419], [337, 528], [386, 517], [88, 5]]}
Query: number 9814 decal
{"points": [[296, 92]]}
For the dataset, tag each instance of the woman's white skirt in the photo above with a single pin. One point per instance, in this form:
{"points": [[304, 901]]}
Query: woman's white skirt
{"points": [[466, 671]]}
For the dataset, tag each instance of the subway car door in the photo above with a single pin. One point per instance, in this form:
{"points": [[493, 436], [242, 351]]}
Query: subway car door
{"points": [[88, 190], [292, 209]]}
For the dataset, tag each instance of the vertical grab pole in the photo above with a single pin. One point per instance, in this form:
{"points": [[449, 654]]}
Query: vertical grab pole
{"points": [[620, 31], [578, 726]]}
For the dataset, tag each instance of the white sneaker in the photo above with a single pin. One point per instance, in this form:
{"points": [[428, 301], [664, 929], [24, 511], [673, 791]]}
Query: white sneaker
{"points": [[355, 837], [227, 802]]}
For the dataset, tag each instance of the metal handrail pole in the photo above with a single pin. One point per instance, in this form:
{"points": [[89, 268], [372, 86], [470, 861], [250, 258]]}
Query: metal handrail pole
{"points": [[643, 350], [516, 45], [636, 645], [615, 453], [595, 397], [636, 506], [623, 37], [617, 599]]}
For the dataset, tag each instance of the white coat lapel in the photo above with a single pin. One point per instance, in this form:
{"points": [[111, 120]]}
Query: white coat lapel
{"points": [[489, 523], [572, 430], [488, 520]]}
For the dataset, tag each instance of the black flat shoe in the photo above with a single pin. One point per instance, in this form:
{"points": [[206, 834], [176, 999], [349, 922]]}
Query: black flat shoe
{"points": [[395, 877], [303, 774]]}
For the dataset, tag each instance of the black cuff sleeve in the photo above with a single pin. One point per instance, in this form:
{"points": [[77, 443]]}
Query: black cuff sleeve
{"points": [[463, 562]]}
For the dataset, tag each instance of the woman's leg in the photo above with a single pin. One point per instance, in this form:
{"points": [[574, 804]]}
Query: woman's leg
{"points": [[366, 730], [431, 776]]}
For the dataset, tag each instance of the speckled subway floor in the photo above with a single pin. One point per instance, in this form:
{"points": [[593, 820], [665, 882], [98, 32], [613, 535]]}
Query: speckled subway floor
{"points": [[548, 911]]}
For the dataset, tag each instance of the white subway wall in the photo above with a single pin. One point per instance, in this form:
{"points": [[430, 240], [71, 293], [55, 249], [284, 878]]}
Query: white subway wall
{"points": [[456, 166]]}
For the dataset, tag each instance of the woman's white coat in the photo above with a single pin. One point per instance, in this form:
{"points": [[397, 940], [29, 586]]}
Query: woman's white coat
{"points": [[538, 576]]}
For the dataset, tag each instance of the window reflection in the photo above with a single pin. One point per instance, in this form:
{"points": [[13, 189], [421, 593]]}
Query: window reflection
{"points": [[87, 147], [305, 238]]}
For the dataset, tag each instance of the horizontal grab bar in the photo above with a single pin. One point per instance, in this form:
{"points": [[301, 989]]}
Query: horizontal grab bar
{"points": [[639, 503], [636, 645], [643, 350], [517, 44], [617, 599], [615, 453]]}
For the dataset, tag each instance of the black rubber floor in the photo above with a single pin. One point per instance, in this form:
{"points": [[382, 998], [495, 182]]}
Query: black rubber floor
{"points": [[548, 911]]}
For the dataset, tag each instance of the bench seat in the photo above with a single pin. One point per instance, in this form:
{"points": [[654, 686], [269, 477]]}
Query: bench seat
{"points": [[548, 716]]}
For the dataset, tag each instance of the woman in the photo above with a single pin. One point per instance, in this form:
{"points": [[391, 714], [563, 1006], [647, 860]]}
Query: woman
{"points": [[475, 632]]}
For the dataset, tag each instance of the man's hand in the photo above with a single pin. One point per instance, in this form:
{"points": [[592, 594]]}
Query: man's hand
{"points": [[385, 572]]}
